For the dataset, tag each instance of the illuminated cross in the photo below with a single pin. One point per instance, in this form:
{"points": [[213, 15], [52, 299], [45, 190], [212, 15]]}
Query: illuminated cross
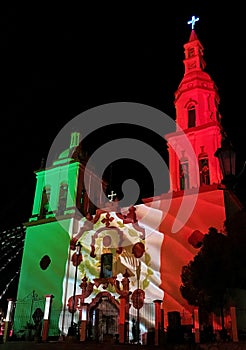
{"points": [[193, 21], [111, 196]]}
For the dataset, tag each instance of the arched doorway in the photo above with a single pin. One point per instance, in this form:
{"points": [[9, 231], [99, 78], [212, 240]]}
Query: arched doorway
{"points": [[103, 318]]}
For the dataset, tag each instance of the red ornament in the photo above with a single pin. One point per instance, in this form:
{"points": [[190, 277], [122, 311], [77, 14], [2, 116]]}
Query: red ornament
{"points": [[138, 250], [119, 250], [73, 242], [76, 259], [138, 298]]}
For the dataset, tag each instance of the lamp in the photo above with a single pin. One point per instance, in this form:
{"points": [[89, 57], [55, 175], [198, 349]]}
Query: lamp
{"points": [[72, 330], [227, 159]]}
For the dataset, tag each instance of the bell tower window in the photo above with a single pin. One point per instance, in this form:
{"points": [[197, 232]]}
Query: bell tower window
{"points": [[63, 197], [45, 207], [191, 116], [191, 52], [184, 175]]}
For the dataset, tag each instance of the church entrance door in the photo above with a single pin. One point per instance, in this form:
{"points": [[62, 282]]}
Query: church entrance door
{"points": [[104, 318]]}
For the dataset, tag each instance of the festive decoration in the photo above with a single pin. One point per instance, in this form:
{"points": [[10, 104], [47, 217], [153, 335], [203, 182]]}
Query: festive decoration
{"points": [[107, 220], [73, 242], [138, 297], [76, 259], [130, 217], [76, 303], [138, 249], [87, 288]]}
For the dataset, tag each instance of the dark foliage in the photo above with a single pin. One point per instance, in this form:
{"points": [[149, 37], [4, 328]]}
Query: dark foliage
{"points": [[219, 266]]}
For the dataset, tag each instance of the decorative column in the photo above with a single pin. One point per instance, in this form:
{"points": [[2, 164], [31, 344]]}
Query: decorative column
{"points": [[124, 307], [8, 320], [162, 337], [158, 321], [196, 325], [122, 320], [234, 324], [76, 259], [83, 321], [45, 331], [138, 295]]}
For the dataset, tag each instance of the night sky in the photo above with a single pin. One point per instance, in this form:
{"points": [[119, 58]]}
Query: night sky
{"points": [[58, 61]]}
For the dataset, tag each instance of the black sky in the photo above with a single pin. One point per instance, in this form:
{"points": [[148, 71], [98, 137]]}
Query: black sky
{"points": [[58, 61]]}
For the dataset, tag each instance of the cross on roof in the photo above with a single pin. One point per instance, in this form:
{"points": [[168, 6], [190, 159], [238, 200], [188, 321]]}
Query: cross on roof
{"points": [[111, 196], [193, 21]]}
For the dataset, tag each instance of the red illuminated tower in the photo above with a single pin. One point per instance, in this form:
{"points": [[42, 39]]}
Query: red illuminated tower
{"points": [[196, 102], [194, 202]]}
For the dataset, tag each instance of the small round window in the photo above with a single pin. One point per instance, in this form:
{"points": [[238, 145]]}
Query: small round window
{"points": [[45, 262]]}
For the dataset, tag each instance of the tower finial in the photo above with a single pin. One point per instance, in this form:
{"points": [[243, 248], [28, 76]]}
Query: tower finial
{"points": [[193, 21]]}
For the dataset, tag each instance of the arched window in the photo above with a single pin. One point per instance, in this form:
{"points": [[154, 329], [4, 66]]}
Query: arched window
{"points": [[45, 206], [184, 175], [63, 197], [204, 169], [191, 52], [191, 116]]}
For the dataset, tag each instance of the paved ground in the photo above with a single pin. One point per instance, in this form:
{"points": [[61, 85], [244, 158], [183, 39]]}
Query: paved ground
{"points": [[65, 345], [21, 345]]}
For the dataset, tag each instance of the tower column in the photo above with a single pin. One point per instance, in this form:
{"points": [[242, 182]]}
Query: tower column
{"points": [[122, 320], [45, 331], [8, 320], [83, 321], [158, 321], [196, 325], [234, 324]]}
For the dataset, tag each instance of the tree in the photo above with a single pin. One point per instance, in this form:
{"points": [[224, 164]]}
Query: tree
{"points": [[209, 279], [236, 232], [206, 278]]}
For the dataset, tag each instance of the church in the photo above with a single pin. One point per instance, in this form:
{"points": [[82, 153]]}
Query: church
{"points": [[90, 263]]}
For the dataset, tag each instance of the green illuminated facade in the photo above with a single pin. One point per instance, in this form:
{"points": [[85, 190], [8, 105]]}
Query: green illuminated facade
{"points": [[60, 199]]}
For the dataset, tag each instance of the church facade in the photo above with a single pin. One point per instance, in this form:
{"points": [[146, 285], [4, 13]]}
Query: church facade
{"points": [[129, 261]]}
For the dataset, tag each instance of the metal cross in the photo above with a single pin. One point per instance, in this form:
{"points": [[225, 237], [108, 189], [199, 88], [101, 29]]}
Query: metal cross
{"points": [[193, 21], [111, 196]]}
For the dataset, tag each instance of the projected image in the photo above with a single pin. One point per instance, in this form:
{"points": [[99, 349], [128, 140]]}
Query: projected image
{"points": [[114, 246], [148, 249]]}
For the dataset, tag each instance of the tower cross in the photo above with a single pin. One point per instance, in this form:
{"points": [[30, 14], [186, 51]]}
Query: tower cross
{"points": [[111, 196], [193, 21]]}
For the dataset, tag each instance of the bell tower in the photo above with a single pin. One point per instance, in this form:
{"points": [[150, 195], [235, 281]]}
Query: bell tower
{"points": [[197, 115], [60, 188]]}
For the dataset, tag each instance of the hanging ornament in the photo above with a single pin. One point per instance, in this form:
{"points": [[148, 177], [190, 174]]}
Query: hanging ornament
{"points": [[138, 298], [138, 249], [76, 259]]}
